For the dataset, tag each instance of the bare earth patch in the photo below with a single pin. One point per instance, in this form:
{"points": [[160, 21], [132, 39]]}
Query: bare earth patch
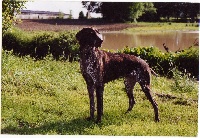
{"points": [[73, 24]]}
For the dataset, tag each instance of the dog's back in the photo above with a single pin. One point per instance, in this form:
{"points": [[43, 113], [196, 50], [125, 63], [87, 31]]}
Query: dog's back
{"points": [[116, 65]]}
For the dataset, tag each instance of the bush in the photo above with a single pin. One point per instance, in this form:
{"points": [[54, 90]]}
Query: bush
{"points": [[186, 61], [157, 60], [39, 45], [42, 44]]}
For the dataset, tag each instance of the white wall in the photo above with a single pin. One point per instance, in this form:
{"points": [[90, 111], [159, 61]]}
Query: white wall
{"points": [[41, 16]]}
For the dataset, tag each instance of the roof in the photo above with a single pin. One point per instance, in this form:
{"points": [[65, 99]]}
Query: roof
{"points": [[41, 12]]}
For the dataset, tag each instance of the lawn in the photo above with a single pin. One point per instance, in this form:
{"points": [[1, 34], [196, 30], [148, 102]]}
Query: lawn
{"points": [[50, 97], [143, 26]]}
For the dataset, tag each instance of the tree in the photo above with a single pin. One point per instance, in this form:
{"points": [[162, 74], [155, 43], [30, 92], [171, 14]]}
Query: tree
{"points": [[120, 11], [164, 9], [190, 10], [9, 10], [70, 15], [115, 11], [81, 15], [91, 7], [177, 9], [60, 15], [139, 8]]}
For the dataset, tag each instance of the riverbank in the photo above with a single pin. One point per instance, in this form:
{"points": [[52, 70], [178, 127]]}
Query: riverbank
{"points": [[152, 27], [66, 25]]}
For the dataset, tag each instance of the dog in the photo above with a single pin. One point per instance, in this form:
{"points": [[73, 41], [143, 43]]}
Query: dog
{"points": [[99, 67]]}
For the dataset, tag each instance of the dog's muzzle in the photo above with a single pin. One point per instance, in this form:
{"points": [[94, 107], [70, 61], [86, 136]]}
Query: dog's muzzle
{"points": [[99, 41]]}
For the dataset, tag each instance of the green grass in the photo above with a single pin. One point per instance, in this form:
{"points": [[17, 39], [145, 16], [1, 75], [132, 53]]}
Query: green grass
{"points": [[50, 97], [142, 26]]}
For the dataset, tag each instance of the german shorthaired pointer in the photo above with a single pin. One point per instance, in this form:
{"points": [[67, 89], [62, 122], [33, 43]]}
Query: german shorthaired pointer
{"points": [[99, 67]]}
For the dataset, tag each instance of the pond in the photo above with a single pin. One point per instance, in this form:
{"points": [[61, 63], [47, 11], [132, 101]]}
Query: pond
{"points": [[174, 40]]}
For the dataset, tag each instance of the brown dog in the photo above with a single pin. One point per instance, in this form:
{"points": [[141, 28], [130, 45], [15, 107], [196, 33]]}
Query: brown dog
{"points": [[99, 67]]}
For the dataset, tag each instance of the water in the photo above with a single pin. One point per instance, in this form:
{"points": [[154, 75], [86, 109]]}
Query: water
{"points": [[174, 40]]}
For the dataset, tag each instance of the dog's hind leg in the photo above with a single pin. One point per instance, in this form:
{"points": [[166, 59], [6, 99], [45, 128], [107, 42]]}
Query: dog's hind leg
{"points": [[146, 89], [129, 85]]}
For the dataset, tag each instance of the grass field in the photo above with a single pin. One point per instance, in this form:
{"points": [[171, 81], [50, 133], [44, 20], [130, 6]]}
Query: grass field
{"points": [[50, 97], [164, 27]]}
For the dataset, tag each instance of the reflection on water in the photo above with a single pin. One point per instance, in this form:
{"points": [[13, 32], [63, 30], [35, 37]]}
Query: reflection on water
{"points": [[173, 39]]}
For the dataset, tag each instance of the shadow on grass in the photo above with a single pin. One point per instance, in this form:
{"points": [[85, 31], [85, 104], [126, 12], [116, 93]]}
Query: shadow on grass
{"points": [[72, 127]]}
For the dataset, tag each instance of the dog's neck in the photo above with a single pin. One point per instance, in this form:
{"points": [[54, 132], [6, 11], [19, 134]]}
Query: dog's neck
{"points": [[88, 50]]}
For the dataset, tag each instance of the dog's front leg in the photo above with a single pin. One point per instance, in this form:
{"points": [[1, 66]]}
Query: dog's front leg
{"points": [[99, 95], [92, 104]]}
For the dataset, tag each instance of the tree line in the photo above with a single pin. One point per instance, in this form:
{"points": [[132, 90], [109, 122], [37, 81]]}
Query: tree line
{"points": [[144, 11]]}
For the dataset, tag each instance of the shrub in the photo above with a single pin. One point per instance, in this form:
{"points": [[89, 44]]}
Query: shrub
{"points": [[40, 44], [8, 41], [186, 61], [161, 62]]}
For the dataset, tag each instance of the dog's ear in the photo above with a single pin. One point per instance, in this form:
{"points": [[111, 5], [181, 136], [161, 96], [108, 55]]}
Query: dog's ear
{"points": [[81, 33]]}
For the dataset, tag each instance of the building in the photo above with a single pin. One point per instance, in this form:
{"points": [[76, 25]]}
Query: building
{"points": [[29, 14]]}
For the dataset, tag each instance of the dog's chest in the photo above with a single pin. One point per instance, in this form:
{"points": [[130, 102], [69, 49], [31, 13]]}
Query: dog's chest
{"points": [[90, 66]]}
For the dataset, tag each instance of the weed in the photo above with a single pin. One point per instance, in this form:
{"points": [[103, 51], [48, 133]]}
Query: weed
{"points": [[182, 82]]}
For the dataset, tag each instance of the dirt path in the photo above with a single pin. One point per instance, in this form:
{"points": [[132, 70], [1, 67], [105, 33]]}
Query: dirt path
{"points": [[74, 24]]}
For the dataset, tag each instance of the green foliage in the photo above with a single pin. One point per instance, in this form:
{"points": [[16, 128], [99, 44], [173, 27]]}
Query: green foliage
{"points": [[50, 97], [9, 9], [38, 45], [163, 27], [186, 61], [148, 11], [64, 46], [137, 9], [182, 82], [177, 10], [61, 15], [120, 11], [81, 15]]}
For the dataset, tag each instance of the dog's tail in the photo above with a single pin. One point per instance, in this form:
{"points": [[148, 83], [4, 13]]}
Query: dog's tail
{"points": [[153, 72]]}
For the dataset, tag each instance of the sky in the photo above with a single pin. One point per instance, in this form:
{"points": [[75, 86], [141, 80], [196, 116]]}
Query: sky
{"points": [[56, 6]]}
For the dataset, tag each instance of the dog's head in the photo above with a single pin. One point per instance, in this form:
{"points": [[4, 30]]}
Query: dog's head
{"points": [[89, 37]]}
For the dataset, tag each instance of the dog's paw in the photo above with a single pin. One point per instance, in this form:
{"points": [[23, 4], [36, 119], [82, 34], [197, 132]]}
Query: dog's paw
{"points": [[89, 118], [157, 120], [128, 111], [98, 121]]}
